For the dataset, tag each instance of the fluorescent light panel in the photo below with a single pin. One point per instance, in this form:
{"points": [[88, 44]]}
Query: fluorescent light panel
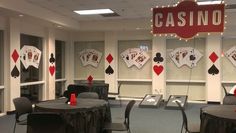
{"points": [[209, 2], [94, 11]]}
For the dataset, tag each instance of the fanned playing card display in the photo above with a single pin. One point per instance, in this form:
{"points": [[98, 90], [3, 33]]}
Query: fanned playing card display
{"points": [[90, 57], [30, 56], [135, 56], [231, 55], [185, 56]]}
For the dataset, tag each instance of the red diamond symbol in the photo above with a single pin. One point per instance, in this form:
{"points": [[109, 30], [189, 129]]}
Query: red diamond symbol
{"points": [[15, 55], [90, 79], [213, 57], [109, 58]]}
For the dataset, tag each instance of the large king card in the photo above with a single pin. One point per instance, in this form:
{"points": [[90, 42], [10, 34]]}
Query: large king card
{"points": [[141, 59]]}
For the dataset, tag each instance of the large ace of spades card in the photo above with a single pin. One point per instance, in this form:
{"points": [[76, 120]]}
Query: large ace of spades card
{"points": [[231, 55]]}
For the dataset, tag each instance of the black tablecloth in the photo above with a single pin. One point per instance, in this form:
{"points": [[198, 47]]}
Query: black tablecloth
{"points": [[101, 89], [88, 116], [218, 119]]}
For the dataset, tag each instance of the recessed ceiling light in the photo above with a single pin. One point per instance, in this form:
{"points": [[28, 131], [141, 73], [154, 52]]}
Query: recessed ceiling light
{"points": [[209, 2], [20, 15], [94, 11]]}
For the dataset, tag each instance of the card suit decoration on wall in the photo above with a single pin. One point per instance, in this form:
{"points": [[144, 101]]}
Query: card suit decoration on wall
{"points": [[52, 59], [213, 70], [15, 56], [52, 70], [109, 70], [109, 58], [15, 72], [158, 69], [90, 79], [158, 58], [213, 57]]}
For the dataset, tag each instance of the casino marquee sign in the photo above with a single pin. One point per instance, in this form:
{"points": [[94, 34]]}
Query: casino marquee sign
{"points": [[188, 18]]}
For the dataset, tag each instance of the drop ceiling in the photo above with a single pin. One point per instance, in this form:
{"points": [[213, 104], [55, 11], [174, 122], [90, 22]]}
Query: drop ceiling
{"points": [[61, 11]]}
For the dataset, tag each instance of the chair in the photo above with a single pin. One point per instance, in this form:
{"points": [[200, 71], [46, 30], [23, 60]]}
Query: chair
{"points": [[45, 122], [23, 106], [229, 99], [188, 128], [91, 95], [121, 126], [117, 93]]}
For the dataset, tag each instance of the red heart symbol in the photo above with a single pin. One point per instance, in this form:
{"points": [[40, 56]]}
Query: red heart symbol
{"points": [[52, 70], [234, 92], [158, 69]]}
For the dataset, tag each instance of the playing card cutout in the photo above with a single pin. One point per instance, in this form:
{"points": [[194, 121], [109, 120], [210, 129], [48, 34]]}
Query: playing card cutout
{"points": [[109, 58], [52, 70], [15, 72], [134, 56], [213, 70], [158, 69], [231, 55], [52, 59], [90, 57], [30, 56], [185, 56], [15, 55], [158, 58], [109, 70], [213, 57], [90, 79]]}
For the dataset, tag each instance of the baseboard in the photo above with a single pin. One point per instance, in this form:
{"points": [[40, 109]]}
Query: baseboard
{"points": [[210, 102], [11, 112]]}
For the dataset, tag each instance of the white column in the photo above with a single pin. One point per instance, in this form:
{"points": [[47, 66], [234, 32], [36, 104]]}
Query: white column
{"points": [[213, 82], [159, 77], [69, 61], [111, 48], [14, 42], [51, 77]]}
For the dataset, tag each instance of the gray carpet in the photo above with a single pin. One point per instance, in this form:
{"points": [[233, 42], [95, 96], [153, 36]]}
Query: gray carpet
{"points": [[143, 120]]}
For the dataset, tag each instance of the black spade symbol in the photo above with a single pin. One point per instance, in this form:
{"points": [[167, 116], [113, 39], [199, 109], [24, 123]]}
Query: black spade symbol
{"points": [[15, 72], [127, 57], [109, 70], [213, 70], [192, 57], [158, 58], [52, 59]]}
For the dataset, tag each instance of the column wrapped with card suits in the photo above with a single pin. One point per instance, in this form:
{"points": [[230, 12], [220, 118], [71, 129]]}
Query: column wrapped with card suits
{"points": [[158, 66], [213, 68], [111, 60], [51, 61], [14, 37]]}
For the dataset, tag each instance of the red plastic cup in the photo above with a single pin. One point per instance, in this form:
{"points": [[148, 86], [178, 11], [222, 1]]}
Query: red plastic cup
{"points": [[73, 101]]}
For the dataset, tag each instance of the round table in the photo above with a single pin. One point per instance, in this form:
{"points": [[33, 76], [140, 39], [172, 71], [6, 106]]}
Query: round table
{"points": [[87, 116], [218, 119]]}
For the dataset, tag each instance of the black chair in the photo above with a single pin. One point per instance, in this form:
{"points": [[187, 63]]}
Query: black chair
{"points": [[117, 93], [229, 99], [91, 95], [125, 126], [23, 106], [44, 122], [188, 128]]}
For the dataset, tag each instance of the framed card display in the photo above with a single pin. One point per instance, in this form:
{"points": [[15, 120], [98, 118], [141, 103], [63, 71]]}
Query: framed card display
{"points": [[151, 101], [171, 103]]}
